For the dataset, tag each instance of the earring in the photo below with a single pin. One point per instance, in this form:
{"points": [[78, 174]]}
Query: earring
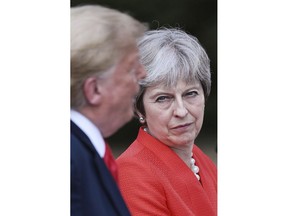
{"points": [[142, 120]]}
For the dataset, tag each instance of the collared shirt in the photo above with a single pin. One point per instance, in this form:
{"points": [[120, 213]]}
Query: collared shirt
{"points": [[90, 130]]}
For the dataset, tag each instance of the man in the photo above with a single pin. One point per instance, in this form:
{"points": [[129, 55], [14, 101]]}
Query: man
{"points": [[105, 70]]}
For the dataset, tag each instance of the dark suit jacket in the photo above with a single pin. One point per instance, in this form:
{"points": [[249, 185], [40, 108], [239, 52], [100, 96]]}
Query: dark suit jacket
{"points": [[93, 189]]}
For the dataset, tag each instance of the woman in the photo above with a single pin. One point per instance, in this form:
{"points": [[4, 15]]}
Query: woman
{"points": [[163, 172]]}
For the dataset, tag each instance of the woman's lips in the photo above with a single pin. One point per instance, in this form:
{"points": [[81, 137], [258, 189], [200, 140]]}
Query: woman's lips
{"points": [[182, 126]]}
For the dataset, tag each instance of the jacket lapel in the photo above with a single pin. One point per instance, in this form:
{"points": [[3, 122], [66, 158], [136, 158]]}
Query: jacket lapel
{"points": [[105, 177]]}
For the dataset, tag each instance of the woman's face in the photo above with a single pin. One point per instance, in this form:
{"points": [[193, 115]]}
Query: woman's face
{"points": [[174, 115]]}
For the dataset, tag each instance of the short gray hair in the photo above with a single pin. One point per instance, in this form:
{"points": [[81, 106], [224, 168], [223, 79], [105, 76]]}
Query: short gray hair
{"points": [[170, 55], [100, 37]]}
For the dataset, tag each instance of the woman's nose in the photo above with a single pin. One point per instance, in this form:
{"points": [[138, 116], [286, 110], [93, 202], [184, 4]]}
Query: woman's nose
{"points": [[180, 109]]}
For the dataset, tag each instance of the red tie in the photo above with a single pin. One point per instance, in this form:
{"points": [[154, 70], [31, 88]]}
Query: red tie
{"points": [[110, 162]]}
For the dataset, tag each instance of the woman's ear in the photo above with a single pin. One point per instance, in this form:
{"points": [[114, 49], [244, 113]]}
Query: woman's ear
{"points": [[91, 91], [140, 117], [138, 113]]}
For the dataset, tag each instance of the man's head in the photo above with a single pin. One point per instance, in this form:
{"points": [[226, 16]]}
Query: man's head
{"points": [[105, 66]]}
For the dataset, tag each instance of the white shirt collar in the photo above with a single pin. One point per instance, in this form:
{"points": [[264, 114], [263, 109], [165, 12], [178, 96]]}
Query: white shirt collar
{"points": [[90, 130]]}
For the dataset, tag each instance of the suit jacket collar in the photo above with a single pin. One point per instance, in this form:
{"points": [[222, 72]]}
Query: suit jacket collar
{"points": [[82, 136], [90, 129], [107, 180]]}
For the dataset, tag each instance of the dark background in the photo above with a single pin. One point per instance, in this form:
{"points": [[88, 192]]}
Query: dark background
{"points": [[197, 17]]}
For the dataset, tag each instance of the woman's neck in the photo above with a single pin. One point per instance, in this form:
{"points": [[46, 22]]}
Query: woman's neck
{"points": [[185, 153]]}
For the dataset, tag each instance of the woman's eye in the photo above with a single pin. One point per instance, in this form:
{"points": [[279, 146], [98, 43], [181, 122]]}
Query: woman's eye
{"points": [[162, 98], [192, 93]]}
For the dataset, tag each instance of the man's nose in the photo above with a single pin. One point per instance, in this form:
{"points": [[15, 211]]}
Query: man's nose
{"points": [[141, 73]]}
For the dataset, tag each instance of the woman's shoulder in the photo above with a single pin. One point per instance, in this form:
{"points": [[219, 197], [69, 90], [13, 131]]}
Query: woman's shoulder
{"points": [[137, 158], [134, 154]]}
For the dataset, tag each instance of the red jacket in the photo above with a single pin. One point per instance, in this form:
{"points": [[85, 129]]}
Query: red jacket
{"points": [[155, 181]]}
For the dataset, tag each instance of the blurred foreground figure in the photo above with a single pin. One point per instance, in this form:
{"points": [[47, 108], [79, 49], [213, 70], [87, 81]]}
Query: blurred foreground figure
{"points": [[105, 71], [163, 172]]}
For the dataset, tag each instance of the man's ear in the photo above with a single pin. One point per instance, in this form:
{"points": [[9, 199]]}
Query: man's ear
{"points": [[91, 91]]}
